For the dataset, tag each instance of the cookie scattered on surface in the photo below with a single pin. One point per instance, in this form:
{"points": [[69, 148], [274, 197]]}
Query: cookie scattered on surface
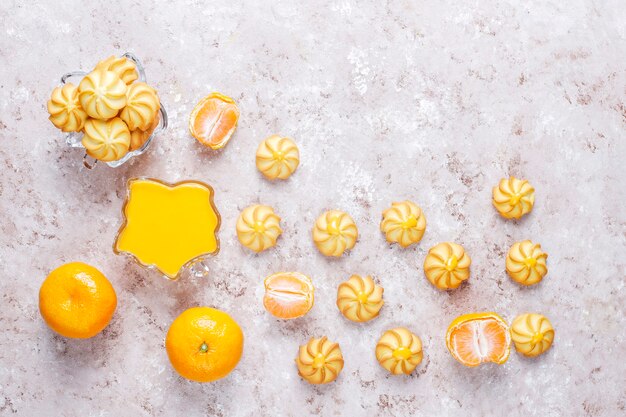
{"points": [[399, 351], [447, 265], [334, 233], [319, 361], [360, 299]]}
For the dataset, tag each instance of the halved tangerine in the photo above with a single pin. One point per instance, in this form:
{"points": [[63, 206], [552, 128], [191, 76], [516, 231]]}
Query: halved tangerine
{"points": [[213, 120], [288, 295], [477, 338]]}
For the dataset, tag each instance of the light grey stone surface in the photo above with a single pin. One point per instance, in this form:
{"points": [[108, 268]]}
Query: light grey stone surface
{"points": [[433, 101]]}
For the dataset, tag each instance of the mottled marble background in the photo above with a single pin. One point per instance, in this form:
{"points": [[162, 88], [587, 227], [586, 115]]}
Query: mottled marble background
{"points": [[432, 100]]}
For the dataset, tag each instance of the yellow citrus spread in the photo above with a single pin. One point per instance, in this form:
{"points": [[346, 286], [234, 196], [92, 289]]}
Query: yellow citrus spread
{"points": [[167, 226]]}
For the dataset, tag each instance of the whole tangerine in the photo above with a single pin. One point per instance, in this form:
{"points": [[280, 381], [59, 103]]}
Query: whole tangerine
{"points": [[204, 344], [76, 300]]}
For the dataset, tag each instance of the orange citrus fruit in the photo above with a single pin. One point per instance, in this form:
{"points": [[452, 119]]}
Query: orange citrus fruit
{"points": [[477, 338], [76, 300], [213, 120], [288, 295], [204, 344]]}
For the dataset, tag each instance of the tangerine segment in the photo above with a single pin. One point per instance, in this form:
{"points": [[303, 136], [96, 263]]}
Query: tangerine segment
{"points": [[213, 120], [288, 295], [477, 338]]}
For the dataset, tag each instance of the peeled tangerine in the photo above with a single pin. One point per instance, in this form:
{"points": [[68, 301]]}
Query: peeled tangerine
{"points": [[124, 68], [64, 108], [334, 233], [258, 227], [526, 263], [403, 223], [477, 338], [319, 361], [213, 120], [102, 94], [106, 140], [288, 295], [277, 157], [532, 334], [513, 198], [142, 106], [399, 351], [359, 299], [447, 265]]}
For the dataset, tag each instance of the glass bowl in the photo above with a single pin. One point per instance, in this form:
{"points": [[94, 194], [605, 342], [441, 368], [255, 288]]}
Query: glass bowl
{"points": [[164, 223], [73, 139]]}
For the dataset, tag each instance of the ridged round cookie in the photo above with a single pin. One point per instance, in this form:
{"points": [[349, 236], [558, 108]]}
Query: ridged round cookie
{"points": [[513, 198], [532, 334], [106, 140], [65, 110], [526, 263], [403, 223], [102, 94], [277, 157], [142, 106], [124, 67], [334, 233], [359, 299], [258, 227], [447, 265], [319, 361], [399, 351]]}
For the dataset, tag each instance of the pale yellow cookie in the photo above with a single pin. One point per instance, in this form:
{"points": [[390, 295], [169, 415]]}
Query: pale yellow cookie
{"points": [[399, 351], [513, 198], [277, 157], [526, 262], [447, 265], [258, 227], [334, 233], [319, 361], [142, 106], [532, 334], [65, 110], [138, 137], [403, 223], [124, 68], [106, 140], [102, 94], [359, 299]]}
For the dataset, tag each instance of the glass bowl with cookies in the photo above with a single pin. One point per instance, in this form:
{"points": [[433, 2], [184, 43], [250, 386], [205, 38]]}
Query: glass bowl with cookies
{"points": [[111, 112]]}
